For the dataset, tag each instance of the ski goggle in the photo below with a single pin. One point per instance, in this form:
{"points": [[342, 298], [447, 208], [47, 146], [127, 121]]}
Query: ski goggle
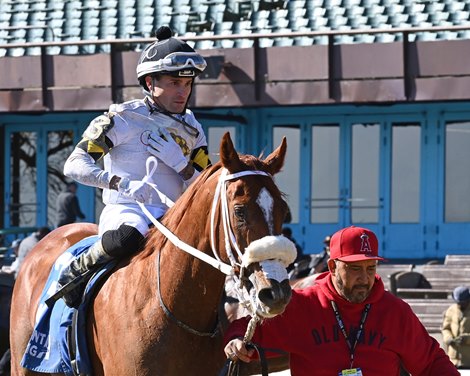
{"points": [[183, 63], [182, 60]]}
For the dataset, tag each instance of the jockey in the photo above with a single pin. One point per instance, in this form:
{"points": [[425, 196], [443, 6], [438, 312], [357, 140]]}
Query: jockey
{"points": [[125, 136]]}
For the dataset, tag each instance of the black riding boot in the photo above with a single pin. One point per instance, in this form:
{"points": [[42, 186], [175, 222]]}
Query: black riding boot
{"points": [[80, 270]]}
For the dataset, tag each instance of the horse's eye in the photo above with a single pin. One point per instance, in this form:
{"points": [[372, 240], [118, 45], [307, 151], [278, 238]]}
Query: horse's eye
{"points": [[240, 212]]}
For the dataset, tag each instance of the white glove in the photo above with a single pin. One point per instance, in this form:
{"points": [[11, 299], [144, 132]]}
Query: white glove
{"points": [[165, 148], [135, 189]]}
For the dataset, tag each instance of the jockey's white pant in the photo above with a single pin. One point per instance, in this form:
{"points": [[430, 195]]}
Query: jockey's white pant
{"points": [[115, 215]]}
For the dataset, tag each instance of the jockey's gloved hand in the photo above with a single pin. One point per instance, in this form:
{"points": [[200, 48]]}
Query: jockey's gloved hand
{"points": [[135, 189], [165, 148]]}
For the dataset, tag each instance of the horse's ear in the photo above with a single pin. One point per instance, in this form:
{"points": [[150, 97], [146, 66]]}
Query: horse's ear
{"points": [[228, 154], [275, 160]]}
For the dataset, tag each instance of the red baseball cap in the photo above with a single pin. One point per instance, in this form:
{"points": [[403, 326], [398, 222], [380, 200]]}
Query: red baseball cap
{"points": [[354, 244]]}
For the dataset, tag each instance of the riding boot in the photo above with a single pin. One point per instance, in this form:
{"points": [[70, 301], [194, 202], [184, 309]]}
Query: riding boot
{"points": [[79, 272]]}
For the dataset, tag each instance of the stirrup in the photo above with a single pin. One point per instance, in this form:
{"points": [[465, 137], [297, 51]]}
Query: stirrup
{"points": [[69, 287]]}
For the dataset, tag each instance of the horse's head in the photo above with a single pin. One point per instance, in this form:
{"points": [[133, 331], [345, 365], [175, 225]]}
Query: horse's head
{"points": [[254, 212]]}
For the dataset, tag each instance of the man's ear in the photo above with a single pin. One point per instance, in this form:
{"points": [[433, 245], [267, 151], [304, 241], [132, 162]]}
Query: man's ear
{"points": [[332, 266], [148, 82]]}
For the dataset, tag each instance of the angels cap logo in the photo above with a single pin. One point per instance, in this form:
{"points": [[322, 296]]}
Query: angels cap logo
{"points": [[353, 244], [365, 244]]}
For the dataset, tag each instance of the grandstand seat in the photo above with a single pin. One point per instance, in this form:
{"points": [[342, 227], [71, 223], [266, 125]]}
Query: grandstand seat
{"points": [[125, 25], [459, 17], [447, 35], [345, 39], [322, 39], [18, 17], [358, 22], [425, 37], [294, 5], [56, 14], [364, 38], [89, 31], [284, 41], [356, 11], [336, 22], [298, 24], [177, 4], [5, 17], [303, 41], [223, 28], [205, 44], [242, 27], [162, 15], [453, 6], [430, 312], [244, 43], [259, 21], [179, 23], [433, 6], [215, 12], [109, 4], [438, 17], [293, 14], [144, 3], [397, 19], [71, 50], [462, 260]]}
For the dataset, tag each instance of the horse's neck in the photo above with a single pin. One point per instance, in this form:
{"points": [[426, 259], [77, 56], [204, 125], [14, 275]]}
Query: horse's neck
{"points": [[190, 286]]}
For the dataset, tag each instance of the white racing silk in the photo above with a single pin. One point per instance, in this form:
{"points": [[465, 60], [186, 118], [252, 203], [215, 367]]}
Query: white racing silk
{"points": [[132, 125]]}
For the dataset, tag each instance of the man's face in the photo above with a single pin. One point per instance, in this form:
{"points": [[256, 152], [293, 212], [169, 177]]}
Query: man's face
{"points": [[170, 93], [353, 280]]}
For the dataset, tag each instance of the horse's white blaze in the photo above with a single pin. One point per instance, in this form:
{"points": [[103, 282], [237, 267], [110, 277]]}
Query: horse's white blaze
{"points": [[274, 270], [266, 203]]}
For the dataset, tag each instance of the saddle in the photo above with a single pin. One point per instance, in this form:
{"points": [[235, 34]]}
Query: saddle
{"points": [[60, 331]]}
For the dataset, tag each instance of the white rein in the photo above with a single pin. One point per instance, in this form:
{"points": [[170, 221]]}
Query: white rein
{"points": [[221, 193]]}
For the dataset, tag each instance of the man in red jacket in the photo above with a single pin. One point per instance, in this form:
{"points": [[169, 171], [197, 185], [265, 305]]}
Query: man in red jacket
{"points": [[347, 324]]}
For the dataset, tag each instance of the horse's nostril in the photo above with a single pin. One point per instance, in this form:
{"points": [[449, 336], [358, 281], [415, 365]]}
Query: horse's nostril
{"points": [[277, 294], [267, 296]]}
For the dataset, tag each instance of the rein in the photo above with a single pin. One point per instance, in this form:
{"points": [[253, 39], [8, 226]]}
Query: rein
{"points": [[171, 316], [216, 262], [221, 194]]}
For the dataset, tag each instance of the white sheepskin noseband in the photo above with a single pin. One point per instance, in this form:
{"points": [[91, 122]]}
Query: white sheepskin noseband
{"points": [[270, 248]]}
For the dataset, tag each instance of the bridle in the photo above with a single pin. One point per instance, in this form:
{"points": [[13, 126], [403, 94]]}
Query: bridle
{"points": [[220, 193], [229, 237]]}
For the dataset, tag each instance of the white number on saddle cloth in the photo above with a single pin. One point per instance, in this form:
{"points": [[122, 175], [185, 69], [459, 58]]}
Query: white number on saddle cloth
{"points": [[351, 372]]}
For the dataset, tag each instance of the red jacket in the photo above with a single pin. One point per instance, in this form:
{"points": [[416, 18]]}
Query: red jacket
{"points": [[308, 330]]}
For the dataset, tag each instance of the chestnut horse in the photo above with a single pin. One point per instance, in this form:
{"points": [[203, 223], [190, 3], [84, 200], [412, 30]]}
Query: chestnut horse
{"points": [[155, 313]]}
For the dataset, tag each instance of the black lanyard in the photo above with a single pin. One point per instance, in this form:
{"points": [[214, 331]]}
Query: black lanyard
{"points": [[352, 346]]}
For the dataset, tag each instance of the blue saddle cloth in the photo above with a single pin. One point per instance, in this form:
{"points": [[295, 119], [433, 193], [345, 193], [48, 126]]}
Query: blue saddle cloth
{"points": [[48, 347]]}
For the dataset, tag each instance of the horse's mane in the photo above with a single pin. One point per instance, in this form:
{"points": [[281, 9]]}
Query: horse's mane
{"points": [[179, 209]]}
